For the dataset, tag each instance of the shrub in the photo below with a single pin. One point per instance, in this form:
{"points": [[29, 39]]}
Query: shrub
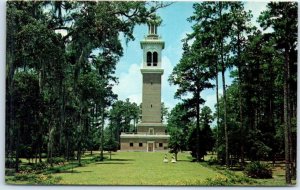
{"points": [[217, 181], [56, 160], [37, 179], [39, 166], [24, 177], [46, 179], [234, 178], [213, 161], [258, 170], [25, 168], [11, 163], [9, 172]]}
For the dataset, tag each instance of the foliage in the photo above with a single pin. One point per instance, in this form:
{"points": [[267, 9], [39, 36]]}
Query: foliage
{"points": [[178, 127], [56, 160], [192, 76], [61, 59], [258, 170], [39, 166], [110, 144], [213, 161], [10, 163], [282, 18], [40, 179], [207, 140]]}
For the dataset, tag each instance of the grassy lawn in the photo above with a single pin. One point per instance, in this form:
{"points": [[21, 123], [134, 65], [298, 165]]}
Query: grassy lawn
{"points": [[138, 168], [142, 168]]}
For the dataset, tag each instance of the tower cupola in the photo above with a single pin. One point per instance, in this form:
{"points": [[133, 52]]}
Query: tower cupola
{"points": [[152, 45], [153, 23]]}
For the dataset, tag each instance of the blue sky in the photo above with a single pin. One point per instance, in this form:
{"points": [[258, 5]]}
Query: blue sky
{"points": [[174, 28]]}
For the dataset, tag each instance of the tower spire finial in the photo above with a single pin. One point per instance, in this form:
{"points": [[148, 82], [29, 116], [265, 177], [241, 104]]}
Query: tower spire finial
{"points": [[153, 22]]}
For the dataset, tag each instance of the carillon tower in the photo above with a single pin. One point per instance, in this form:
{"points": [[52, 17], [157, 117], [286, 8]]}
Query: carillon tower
{"points": [[151, 70], [151, 135]]}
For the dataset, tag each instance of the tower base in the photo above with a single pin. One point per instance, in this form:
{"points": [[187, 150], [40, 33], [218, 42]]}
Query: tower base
{"points": [[144, 142]]}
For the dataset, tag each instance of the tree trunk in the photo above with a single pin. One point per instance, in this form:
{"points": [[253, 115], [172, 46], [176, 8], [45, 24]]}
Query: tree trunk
{"points": [[224, 87], [17, 148], [225, 116], [80, 137], [102, 135], [50, 145], [286, 121], [218, 110], [240, 97], [198, 126], [62, 114], [67, 147], [11, 128]]}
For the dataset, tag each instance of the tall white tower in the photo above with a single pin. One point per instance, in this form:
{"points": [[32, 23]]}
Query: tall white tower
{"points": [[151, 70], [151, 134]]}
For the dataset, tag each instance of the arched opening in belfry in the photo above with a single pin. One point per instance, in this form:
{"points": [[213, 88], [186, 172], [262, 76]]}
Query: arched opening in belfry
{"points": [[149, 58], [155, 58]]}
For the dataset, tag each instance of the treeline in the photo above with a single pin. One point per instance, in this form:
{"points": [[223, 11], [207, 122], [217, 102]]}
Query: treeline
{"points": [[255, 115], [61, 58]]}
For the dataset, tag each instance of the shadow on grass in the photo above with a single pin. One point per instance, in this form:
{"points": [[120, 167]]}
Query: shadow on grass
{"points": [[74, 171], [236, 169], [111, 163], [184, 161], [121, 160], [68, 172]]}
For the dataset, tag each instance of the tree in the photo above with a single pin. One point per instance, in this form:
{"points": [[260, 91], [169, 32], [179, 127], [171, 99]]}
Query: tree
{"points": [[282, 18], [164, 112], [178, 127], [27, 99], [206, 136], [110, 144], [206, 120], [240, 22], [192, 75], [72, 49], [121, 115], [212, 21]]}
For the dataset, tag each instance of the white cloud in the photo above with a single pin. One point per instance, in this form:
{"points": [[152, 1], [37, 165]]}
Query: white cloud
{"points": [[168, 91], [184, 35], [256, 9], [210, 101], [130, 84]]}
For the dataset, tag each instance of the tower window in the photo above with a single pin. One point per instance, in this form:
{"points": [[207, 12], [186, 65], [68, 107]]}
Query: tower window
{"points": [[131, 144], [151, 131], [149, 57], [154, 58], [160, 144], [140, 144]]}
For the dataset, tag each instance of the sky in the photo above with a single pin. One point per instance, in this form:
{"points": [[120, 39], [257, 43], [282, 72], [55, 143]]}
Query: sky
{"points": [[173, 29]]}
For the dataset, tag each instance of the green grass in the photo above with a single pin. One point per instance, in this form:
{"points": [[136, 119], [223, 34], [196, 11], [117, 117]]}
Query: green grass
{"points": [[138, 168], [142, 168]]}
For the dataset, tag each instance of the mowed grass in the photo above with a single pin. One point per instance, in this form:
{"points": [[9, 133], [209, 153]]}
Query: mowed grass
{"points": [[142, 168], [139, 168]]}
